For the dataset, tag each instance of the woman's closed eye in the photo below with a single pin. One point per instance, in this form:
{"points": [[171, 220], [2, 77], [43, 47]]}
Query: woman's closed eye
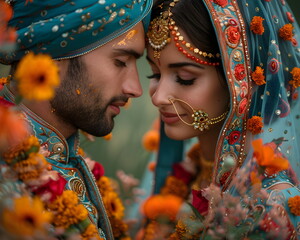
{"points": [[185, 82]]}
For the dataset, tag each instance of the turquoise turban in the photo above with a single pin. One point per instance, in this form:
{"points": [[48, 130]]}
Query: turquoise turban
{"points": [[70, 28]]}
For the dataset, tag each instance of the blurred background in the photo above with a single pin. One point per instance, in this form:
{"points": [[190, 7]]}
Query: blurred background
{"points": [[124, 151]]}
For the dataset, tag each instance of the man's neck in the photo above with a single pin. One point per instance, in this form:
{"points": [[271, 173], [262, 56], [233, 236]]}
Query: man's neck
{"points": [[44, 110]]}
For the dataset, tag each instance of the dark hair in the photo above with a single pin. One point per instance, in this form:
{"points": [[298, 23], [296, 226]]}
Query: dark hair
{"points": [[192, 17]]}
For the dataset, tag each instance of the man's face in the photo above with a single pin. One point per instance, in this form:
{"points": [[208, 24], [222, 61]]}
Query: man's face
{"points": [[95, 85]]}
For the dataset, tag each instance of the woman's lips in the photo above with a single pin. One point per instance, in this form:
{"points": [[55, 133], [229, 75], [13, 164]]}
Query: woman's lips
{"points": [[169, 118]]}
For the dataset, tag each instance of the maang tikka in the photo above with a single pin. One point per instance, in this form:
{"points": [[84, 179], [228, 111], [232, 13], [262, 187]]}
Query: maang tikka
{"points": [[201, 119], [163, 27]]}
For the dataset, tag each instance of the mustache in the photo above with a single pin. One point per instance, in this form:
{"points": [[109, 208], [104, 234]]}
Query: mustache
{"points": [[117, 99]]}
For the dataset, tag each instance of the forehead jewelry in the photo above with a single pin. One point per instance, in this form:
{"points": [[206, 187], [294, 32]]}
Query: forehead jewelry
{"points": [[161, 30], [201, 121]]}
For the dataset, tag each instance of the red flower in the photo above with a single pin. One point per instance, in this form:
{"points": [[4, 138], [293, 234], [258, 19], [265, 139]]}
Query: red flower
{"points": [[239, 72], [233, 35], [222, 3], [98, 170], [180, 173], [53, 187], [200, 202], [233, 137]]}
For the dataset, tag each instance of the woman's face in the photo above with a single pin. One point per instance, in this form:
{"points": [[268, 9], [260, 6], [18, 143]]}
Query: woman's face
{"points": [[177, 77]]}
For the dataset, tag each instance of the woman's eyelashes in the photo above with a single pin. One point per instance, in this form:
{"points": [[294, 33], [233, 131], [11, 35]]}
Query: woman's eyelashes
{"points": [[185, 82], [179, 80]]}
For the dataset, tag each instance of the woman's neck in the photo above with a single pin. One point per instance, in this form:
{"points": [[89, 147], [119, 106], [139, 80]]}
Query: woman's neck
{"points": [[208, 141]]}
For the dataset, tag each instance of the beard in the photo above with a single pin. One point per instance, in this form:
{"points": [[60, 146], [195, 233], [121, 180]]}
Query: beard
{"points": [[86, 110]]}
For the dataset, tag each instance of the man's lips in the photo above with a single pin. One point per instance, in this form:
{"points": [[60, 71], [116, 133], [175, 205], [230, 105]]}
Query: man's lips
{"points": [[115, 106]]}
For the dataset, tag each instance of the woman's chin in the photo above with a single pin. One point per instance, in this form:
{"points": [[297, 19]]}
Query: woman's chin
{"points": [[178, 134]]}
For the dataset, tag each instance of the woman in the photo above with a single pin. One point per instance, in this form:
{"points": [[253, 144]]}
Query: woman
{"points": [[227, 73]]}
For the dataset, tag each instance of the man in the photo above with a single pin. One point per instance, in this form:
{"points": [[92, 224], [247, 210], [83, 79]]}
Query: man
{"points": [[95, 44]]}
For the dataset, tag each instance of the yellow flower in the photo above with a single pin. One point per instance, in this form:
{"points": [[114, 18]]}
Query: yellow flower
{"points": [[67, 210], [294, 205], [37, 77], [27, 217], [20, 151], [296, 77], [151, 140], [91, 233], [104, 185], [113, 205], [31, 168], [119, 228], [175, 186]]}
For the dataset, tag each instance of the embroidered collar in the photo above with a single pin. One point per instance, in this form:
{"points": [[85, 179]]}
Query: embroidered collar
{"points": [[54, 145]]}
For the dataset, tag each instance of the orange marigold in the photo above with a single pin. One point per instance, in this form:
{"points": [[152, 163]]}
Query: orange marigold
{"points": [[27, 217], [151, 140], [267, 158], [286, 32], [296, 77], [162, 206], [254, 178], [257, 26], [67, 210], [37, 77], [255, 125], [13, 129], [175, 187], [91, 233], [258, 76], [294, 205]]}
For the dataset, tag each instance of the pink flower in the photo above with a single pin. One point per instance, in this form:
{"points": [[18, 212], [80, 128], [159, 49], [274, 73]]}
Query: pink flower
{"points": [[290, 17], [53, 187], [233, 35], [98, 170], [239, 72], [200, 202], [180, 173]]}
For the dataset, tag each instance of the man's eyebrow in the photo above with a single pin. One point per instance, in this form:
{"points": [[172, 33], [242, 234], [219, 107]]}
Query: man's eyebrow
{"points": [[183, 64], [128, 52]]}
